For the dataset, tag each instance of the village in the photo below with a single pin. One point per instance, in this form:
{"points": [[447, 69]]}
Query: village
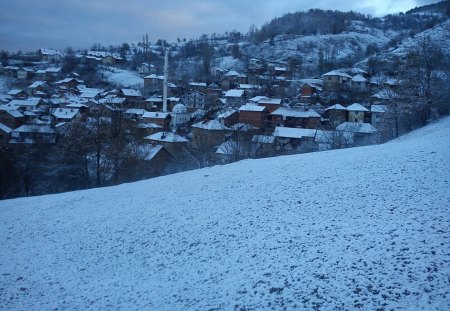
{"points": [[180, 125]]}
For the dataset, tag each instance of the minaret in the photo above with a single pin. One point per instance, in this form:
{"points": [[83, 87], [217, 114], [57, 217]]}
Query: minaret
{"points": [[166, 74]]}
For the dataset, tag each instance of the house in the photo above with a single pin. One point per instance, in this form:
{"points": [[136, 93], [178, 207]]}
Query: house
{"points": [[162, 119], [290, 139], [49, 55], [38, 88], [30, 104], [154, 103], [359, 84], [263, 145], [208, 133], [295, 117], [235, 97], [146, 68], [229, 117], [5, 132], [357, 113], [377, 112], [69, 83], [11, 117], [153, 84], [133, 97], [66, 114], [33, 134], [199, 86], [336, 81], [18, 94], [363, 133], [24, 73], [11, 71], [310, 89], [271, 104], [155, 160], [111, 60], [253, 114], [194, 100], [134, 113], [53, 72], [173, 143], [217, 72], [337, 114], [383, 97]]}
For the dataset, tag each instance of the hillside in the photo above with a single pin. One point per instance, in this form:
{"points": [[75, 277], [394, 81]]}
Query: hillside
{"points": [[356, 228]]}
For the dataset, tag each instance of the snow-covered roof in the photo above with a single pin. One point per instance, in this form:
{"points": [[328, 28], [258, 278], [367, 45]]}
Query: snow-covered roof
{"points": [[198, 84], [5, 128], [76, 105], [232, 73], [135, 111], [65, 113], [53, 69], [15, 92], [356, 127], [359, 78], [179, 108], [212, 125], [153, 76], [50, 52], [89, 94], [336, 73], [226, 114], [150, 151], [247, 86], [148, 125], [30, 102], [378, 108], [289, 132], [155, 115], [270, 101], [168, 137], [357, 107], [230, 147], [243, 127], [131, 93], [154, 100], [336, 107], [263, 139], [252, 107], [37, 84], [234, 93], [34, 128], [257, 99], [385, 94], [296, 113]]}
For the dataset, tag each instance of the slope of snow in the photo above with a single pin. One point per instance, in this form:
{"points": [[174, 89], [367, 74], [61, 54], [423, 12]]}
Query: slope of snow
{"points": [[121, 77], [364, 228]]}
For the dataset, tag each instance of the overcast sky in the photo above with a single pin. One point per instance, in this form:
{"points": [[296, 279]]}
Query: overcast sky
{"points": [[33, 24]]}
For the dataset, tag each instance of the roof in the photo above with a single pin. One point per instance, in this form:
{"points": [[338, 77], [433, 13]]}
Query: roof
{"points": [[357, 107], [155, 115], [211, 125], [356, 127], [37, 84], [15, 92], [149, 151], [153, 76], [53, 69], [168, 137], [337, 73], [34, 128], [154, 99], [378, 108], [252, 107], [5, 128], [336, 107], [65, 113], [289, 132], [263, 139], [131, 93], [243, 127], [234, 93], [179, 108], [359, 78], [226, 114], [296, 113], [50, 52], [135, 111], [199, 84], [232, 73], [89, 94], [148, 125], [31, 102], [231, 147], [257, 99], [270, 101], [385, 94]]}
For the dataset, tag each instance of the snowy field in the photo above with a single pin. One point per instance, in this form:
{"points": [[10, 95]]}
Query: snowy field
{"points": [[365, 228], [124, 78]]}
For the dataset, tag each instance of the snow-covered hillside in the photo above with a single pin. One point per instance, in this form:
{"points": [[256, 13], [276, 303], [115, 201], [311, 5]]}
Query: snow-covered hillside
{"points": [[123, 78], [364, 228]]}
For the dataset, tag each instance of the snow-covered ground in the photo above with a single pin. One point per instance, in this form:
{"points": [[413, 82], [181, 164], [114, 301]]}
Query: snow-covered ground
{"points": [[365, 228], [124, 78]]}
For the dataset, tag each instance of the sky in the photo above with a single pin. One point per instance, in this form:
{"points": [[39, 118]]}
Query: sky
{"points": [[28, 25]]}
